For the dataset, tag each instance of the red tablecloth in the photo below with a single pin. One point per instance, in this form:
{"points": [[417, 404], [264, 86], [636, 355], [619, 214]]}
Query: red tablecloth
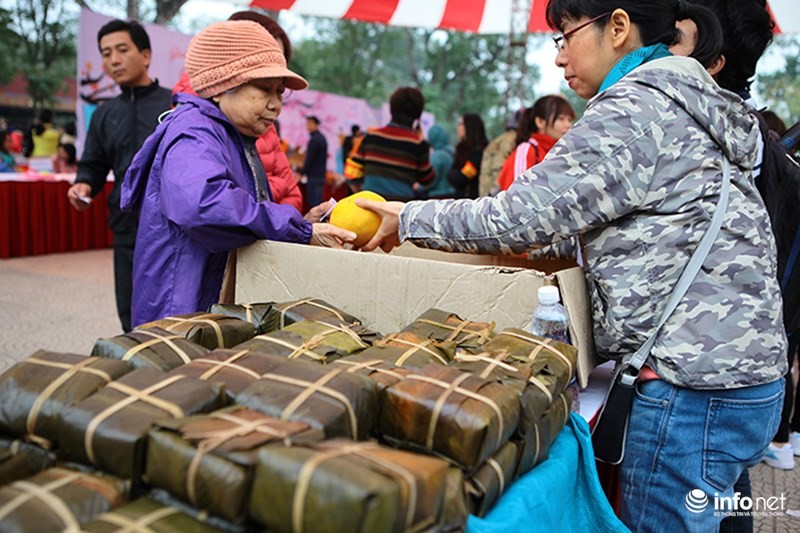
{"points": [[36, 218]]}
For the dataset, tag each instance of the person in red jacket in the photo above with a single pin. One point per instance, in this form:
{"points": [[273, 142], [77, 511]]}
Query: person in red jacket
{"points": [[282, 182], [540, 127]]}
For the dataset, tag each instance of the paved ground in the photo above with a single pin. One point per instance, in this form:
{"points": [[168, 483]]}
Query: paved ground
{"points": [[64, 302], [59, 302]]}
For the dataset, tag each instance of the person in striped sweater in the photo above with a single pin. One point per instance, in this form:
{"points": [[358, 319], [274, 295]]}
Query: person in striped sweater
{"points": [[539, 129], [393, 161]]}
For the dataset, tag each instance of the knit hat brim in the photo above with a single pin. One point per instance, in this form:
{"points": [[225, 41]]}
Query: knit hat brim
{"points": [[213, 88], [293, 81]]}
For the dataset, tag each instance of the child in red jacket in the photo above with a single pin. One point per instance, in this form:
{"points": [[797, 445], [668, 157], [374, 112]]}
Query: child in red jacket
{"points": [[540, 127]]}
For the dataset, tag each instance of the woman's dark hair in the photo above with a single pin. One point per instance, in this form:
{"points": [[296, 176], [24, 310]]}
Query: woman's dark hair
{"points": [[406, 105], [747, 30], [774, 122], [475, 137], [45, 117], [27, 142], [138, 34], [655, 20], [72, 155], [3, 135], [269, 24], [547, 108]]}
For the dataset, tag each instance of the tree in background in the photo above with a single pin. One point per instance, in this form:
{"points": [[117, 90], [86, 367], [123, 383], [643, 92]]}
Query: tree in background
{"points": [[10, 43], [45, 46], [158, 11], [457, 72], [780, 90], [577, 103]]}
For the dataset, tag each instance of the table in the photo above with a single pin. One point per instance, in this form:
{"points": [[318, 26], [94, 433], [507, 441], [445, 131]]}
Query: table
{"points": [[36, 218]]}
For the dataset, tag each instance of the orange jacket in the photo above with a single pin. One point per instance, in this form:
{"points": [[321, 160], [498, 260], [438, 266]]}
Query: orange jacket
{"points": [[281, 178]]}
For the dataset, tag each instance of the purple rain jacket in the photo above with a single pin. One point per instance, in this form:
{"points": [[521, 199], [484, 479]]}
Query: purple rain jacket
{"points": [[196, 192]]}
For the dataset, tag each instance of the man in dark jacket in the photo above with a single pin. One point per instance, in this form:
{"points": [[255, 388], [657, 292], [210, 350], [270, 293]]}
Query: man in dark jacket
{"points": [[118, 129], [314, 166]]}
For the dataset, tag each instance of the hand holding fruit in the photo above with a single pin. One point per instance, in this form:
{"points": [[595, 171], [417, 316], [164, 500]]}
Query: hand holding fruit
{"points": [[330, 236], [350, 216], [371, 218], [386, 236], [316, 213]]}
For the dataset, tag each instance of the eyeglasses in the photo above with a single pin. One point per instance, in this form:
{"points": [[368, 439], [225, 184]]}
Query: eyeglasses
{"points": [[559, 40]]}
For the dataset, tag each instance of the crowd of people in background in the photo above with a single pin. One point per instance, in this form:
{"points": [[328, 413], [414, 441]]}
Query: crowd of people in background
{"points": [[399, 162], [467, 168], [51, 148]]}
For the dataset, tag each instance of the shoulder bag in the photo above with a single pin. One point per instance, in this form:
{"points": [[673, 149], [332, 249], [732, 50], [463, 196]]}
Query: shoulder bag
{"points": [[611, 426]]}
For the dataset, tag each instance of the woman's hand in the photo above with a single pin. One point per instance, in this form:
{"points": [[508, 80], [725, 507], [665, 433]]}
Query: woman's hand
{"points": [[330, 236], [386, 237], [316, 213]]}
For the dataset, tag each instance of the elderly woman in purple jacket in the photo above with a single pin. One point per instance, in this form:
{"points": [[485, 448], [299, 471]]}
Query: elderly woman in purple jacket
{"points": [[198, 180]]}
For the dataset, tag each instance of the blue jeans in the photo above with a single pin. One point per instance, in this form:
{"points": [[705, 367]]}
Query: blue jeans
{"points": [[680, 440]]}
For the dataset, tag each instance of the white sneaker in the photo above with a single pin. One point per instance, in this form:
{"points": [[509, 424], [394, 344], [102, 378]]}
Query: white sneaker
{"points": [[782, 458], [794, 440]]}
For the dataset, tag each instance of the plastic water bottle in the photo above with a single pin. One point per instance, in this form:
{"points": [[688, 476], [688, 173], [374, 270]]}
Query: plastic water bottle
{"points": [[551, 320]]}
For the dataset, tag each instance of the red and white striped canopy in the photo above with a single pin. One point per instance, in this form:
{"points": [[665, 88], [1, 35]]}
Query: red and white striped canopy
{"points": [[479, 16]]}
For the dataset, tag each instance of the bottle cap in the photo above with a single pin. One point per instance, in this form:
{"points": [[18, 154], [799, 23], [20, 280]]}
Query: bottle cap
{"points": [[548, 295]]}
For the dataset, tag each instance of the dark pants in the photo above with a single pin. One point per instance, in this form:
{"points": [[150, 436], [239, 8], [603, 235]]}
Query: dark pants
{"points": [[314, 188], [123, 282], [790, 401], [744, 523]]}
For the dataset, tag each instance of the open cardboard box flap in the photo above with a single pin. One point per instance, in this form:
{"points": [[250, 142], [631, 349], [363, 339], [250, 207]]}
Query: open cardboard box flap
{"points": [[389, 291]]}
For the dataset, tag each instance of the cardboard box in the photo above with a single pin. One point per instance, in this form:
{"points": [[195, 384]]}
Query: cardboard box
{"points": [[389, 291]]}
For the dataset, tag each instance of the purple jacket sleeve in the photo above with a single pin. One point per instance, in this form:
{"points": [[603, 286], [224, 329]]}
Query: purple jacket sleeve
{"points": [[200, 194]]}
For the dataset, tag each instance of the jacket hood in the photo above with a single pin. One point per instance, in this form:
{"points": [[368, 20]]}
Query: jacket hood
{"points": [[187, 105], [438, 137], [723, 114]]}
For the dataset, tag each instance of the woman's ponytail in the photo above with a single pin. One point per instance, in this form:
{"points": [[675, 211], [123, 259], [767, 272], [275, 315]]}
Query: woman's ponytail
{"points": [[709, 31]]}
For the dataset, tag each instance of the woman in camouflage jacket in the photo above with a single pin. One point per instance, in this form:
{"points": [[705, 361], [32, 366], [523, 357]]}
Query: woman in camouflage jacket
{"points": [[639, 178]]}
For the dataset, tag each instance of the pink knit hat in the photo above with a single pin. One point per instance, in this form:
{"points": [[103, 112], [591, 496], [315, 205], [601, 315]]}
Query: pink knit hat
{"points": [[228, 54]]}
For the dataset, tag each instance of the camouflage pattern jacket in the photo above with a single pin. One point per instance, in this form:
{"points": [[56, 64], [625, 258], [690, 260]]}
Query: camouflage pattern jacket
{"points": [[639, 177]]}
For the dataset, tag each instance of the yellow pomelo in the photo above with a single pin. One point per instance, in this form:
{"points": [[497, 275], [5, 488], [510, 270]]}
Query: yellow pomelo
{"points": [[363, 222]]}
